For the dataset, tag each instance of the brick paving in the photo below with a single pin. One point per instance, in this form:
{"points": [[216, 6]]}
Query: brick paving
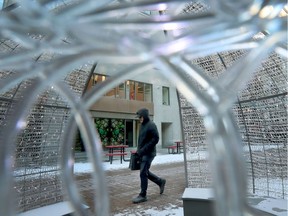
{"points": [[124, 184]]}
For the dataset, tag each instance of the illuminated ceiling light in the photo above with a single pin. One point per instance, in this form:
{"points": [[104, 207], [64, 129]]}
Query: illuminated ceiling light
{"points": [[284, 11], [162, 7], [254, 9], [159, 7], [266, 12]]}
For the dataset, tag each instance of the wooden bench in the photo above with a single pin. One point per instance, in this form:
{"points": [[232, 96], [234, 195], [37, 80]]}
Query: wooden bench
{"points": [[116, 153], [172, 149]]}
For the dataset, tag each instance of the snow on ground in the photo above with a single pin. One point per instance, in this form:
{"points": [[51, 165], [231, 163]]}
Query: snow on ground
{"points": [[266, 204], [86, 167], [159, 159], [274, 206], [170, 210]]}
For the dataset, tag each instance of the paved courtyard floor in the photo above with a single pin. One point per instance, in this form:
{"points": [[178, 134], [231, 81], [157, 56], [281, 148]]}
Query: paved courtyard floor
{"points": [[124, 184]]}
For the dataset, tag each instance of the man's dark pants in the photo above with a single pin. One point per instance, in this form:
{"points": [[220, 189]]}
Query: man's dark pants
{"points": [[145, 174]]}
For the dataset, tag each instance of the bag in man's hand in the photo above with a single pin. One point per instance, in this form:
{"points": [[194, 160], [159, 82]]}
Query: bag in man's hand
{"points": [[134, 161]]}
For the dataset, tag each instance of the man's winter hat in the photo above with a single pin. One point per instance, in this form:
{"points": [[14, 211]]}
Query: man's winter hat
{"points": [[142, 113]]}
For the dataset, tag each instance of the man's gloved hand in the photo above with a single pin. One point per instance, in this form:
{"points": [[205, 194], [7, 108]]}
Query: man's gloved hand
{"points": [[139, 152]]}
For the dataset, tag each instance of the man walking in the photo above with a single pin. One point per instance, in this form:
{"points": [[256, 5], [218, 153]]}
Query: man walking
{"points": [[148, 138]]}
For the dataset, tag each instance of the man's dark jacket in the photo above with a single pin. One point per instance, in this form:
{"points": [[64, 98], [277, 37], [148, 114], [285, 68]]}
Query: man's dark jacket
{"points": [[148, 135]]}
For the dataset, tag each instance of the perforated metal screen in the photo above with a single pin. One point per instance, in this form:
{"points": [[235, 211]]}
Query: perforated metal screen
{"points": [[261, 115]]}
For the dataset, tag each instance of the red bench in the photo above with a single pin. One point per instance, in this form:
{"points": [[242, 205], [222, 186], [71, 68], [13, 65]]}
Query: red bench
{"points": [[172, 149], [111, 155], [116, 150]]}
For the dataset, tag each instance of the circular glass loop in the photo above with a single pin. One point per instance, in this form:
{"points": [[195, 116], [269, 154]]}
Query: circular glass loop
{"points": [[47, 40]]}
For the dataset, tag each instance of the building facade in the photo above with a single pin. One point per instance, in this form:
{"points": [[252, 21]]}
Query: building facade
{"points": [[115, 113]]}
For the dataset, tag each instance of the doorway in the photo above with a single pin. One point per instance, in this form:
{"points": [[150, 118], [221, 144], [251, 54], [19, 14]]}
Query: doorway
{"points": [[129, 133], [167, 134]]}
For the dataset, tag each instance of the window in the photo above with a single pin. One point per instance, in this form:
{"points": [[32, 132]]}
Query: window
{"points": [[165, 96], [148, 92], [120, 91], [98, 78], [129, 90], [140, 91]]}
